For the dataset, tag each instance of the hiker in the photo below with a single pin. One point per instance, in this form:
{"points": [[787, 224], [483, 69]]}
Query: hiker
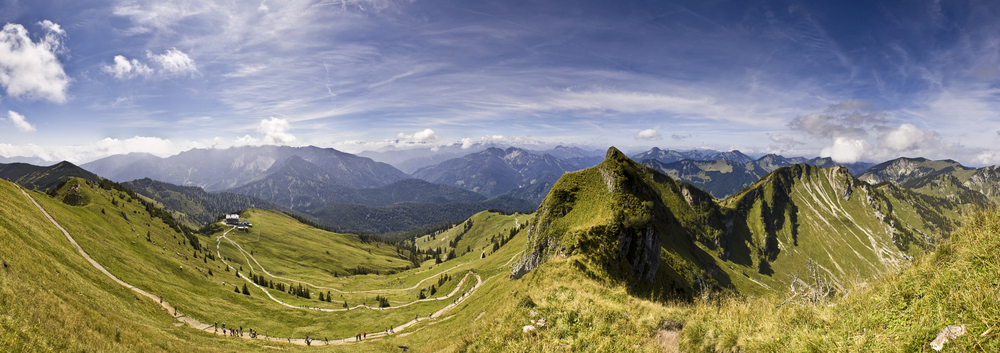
{"points": [[308, 341], [364, 336], [161, 298]]}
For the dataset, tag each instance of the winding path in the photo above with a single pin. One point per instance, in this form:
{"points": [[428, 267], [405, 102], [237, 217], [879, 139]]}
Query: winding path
{"points": [[405, 304], [262, 269], [211, 328]]}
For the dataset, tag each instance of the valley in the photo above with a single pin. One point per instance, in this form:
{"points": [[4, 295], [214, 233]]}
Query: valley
{"points": [[616, 256]]}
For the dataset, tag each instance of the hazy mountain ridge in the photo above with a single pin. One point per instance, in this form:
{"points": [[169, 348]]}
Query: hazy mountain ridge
{"points": [[220, 169], [670, 156], [494, 171]]}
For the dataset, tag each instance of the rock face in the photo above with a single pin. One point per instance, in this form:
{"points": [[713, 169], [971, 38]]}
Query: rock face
{"points": [[534, 254], [986, 181], [641, 252]]}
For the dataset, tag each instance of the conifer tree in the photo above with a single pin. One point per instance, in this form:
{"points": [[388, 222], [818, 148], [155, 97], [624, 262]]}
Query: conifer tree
{"points": [[245, 291]]}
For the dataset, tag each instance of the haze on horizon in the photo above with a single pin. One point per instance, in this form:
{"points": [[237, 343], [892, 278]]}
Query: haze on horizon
{"points": [[866, 81]]}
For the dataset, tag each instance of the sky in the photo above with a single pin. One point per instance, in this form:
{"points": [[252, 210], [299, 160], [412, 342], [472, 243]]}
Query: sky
{"points": [[852, 80]]}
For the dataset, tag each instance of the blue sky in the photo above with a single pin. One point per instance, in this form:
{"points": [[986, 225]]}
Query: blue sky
{"points": [[862, 80]]}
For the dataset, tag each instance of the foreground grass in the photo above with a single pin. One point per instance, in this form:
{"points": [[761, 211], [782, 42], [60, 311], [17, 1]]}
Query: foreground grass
{"points": [[959, 283]]}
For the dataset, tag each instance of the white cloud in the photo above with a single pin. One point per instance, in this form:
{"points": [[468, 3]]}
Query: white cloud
{"points": [[908, 137], [125, 69], [31, 69], [102, 148], [988, 158], [423, 136], [19, 122], [174, 61], [845, 150], [275, 131], [648, 135], [263, 7], [52, 27]]}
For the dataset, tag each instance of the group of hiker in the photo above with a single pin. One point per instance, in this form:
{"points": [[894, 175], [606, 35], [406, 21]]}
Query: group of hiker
{"points": [[232, 331]]}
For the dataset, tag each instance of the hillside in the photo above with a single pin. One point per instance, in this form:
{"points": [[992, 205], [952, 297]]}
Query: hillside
{"points": [[903, 310], [43, 178], [52, 299], [406, 216], [68, 304], [670, 237], [494, 171], [220, 169], [194, 206]]}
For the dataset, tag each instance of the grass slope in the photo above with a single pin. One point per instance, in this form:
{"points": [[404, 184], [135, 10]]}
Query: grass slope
{"points": [[66, 304], [898, 311], [619, 215]]}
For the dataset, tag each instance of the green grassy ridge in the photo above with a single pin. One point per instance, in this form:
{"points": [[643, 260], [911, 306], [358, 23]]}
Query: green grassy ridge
{"points": [[898, 311], [754, 241], [803, 213], [44, 178]]}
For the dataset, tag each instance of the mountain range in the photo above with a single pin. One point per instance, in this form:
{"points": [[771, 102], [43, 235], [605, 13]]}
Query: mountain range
{"points": [[330, 187], [221, 169], [495, 171]]}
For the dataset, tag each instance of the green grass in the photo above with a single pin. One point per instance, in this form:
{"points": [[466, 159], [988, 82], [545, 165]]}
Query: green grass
{"points": [[67, 305], [901, 311]]}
